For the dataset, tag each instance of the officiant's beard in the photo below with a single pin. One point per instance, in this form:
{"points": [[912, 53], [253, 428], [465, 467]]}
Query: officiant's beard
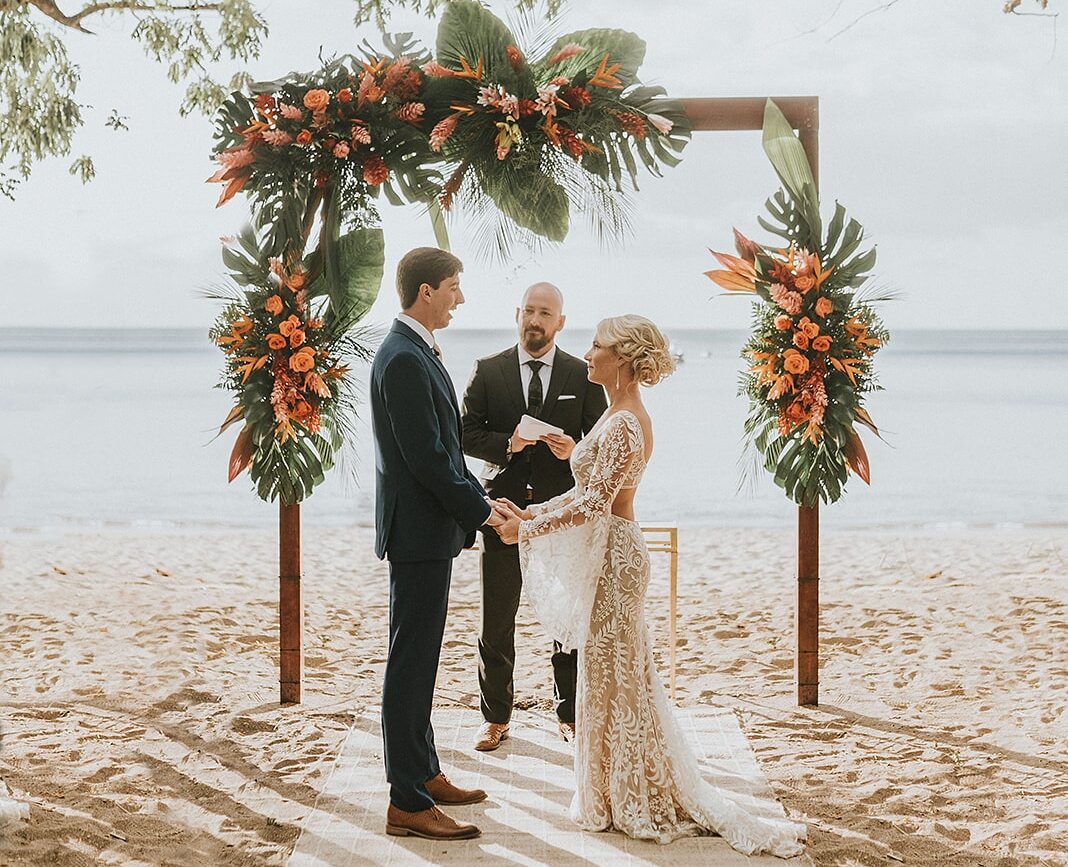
{"points": [[534, 341]]}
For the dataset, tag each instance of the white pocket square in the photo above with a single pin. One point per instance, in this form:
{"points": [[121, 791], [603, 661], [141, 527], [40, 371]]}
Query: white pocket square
{"points": [[566, 397]]}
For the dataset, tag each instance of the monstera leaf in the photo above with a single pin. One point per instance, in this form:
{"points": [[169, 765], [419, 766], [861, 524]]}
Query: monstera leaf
{"points": [[352, 290], [788, 158], [622, 47]]}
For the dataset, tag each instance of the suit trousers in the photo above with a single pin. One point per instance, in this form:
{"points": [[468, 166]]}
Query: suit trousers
{"points": [[502, 583], [418, 604]]}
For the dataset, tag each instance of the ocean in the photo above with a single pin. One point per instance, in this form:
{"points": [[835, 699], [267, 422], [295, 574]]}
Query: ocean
{"points": [[112, 429]]}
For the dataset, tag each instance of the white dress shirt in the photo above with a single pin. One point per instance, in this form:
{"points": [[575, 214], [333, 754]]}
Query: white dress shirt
{"points": [[544, 373], [419, 328]]}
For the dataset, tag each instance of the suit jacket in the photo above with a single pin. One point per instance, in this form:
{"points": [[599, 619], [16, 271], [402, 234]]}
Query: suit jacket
{"points": [[427, 503], [493, 403]]}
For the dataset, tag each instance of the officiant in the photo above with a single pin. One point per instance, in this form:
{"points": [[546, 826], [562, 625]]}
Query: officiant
{"points": [[538, 379]]}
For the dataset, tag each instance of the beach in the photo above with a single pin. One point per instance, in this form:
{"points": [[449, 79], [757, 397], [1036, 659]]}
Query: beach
{"points": [[140, 719]]}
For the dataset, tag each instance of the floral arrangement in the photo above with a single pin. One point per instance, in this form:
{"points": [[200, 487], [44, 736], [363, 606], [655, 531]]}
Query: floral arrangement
{"points": [[288, 366], [514, 131], [524, 140], [814, 336]]}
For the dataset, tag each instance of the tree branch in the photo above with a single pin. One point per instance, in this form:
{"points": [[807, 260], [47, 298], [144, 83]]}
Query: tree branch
{"points": [[49, 8]]}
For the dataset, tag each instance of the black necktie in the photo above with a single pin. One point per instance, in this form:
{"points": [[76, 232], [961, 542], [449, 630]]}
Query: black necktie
{"points": [[535, 395]]}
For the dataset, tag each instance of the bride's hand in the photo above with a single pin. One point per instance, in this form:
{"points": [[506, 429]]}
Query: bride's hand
{"points": [[508, 508]]}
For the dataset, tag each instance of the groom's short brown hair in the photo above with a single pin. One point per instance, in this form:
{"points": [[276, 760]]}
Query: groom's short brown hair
{"points": [[423, 265]]}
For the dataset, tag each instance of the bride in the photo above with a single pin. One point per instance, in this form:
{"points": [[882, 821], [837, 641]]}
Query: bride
{"points": [[586, 571]]}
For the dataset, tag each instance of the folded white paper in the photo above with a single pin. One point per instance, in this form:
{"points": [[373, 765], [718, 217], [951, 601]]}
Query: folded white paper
{"points": [[531, 428]]}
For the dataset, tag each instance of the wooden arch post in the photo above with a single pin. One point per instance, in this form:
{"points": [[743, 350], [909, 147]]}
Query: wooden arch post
{"points": [[803, 112]]}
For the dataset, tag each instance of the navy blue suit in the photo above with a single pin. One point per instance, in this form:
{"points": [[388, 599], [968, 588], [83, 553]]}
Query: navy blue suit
{"points": [[427, 508]]}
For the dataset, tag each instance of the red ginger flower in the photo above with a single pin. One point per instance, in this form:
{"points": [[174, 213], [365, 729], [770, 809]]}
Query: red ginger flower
{"points": [[631, 123], [441, 131], [410, 112], [375, 170], [576, 97], [515, 57]]}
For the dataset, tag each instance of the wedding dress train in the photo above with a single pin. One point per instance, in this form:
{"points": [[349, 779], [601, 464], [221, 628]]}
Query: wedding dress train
{"points": [[586, 572]]}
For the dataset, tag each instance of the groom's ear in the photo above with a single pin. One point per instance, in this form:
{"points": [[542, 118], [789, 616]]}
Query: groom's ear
{"points": [[563, 319]]}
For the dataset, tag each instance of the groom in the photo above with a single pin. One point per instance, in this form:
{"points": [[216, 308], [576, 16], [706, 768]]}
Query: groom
{"points": [[427, 508]]}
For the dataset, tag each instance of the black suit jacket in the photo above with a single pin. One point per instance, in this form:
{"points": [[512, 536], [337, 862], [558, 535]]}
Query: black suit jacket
{"points": [[493, 403], [427, 503]]}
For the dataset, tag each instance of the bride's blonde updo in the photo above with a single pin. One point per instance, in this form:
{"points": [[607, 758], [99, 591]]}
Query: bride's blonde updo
{"points": [[639, 341]]}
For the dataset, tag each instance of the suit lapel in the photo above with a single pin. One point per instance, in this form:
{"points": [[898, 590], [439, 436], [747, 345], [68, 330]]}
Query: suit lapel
{"points": [[446, 382], [512, 381]]}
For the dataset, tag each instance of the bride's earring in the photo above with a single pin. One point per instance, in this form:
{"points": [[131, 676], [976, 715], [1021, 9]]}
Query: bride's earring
{"points": [[617, 379]]}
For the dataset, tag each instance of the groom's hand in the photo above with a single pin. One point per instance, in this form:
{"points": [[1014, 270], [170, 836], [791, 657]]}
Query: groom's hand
{"points": [[496, 518]]}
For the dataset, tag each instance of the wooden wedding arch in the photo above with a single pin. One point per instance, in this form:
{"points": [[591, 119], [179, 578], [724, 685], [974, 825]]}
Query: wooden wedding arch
{"points": [[712, 114]]}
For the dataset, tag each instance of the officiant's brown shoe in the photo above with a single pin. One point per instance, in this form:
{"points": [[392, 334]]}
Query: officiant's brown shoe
{"points": [[430, 824], [490, 736], [567, 731], [443, 792]]}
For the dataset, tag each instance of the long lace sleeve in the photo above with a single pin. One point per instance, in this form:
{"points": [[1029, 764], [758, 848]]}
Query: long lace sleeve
{"points": [[618, 446], [553, 504]]}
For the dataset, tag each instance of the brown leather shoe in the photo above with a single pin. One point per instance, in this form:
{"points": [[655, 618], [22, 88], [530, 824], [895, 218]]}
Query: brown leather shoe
{"points": [[430, 824], [444, 792], [567, 731], [490, 736]]}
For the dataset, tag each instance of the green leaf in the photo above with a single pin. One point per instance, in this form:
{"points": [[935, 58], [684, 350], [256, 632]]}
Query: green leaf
{"points": [[788, 158], [539, 204], [361, 261], [622, 47], [470, 30]]}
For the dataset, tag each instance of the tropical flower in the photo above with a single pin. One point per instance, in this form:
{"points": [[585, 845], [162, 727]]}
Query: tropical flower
{"points": [[660, 123], [273, 305]]}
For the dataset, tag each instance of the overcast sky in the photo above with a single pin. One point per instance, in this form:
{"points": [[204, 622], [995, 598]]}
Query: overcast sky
{"points": [[943, 130]]}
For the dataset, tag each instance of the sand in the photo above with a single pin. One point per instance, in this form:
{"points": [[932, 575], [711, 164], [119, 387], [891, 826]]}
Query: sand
{"points": [[139, 715]]}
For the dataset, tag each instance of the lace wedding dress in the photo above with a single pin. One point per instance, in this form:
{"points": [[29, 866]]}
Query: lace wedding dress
{"points": [[586, 571]]}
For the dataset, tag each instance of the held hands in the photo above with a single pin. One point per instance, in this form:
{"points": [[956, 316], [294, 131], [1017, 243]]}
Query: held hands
{"points": [[510, 515]]}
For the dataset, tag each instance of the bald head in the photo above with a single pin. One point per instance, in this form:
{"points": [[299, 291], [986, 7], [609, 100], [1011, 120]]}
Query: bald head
{"points": [[539, 317], [544, 294]]}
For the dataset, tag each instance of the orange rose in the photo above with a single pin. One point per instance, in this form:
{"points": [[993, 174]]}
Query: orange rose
{"points": [[303, 359], [795, 362], [824, 306], [273, 305], [296, 281], [795, 412], [821, 343], [304, 137], [276, 341], [811, 329], [344, 95], [301, 410], [804, 283], [289, 326], [316, 100], [800, 340], [782, 322], [296, 338]]}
